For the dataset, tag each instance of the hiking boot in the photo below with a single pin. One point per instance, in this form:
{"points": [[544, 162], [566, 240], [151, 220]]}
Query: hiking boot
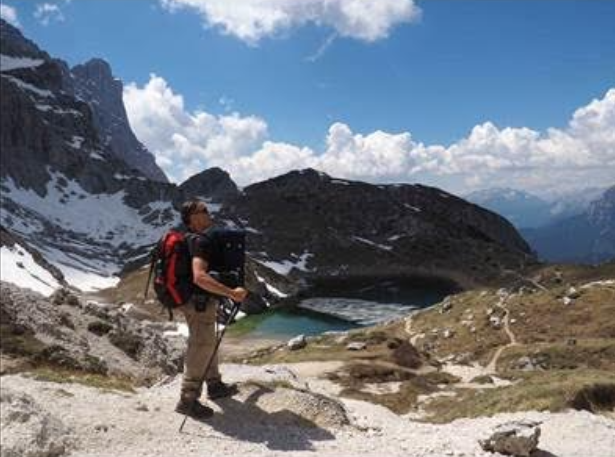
{"points": [[194, 409], [220, 390]]}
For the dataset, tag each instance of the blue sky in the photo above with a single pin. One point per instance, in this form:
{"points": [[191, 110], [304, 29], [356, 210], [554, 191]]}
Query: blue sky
{"points": [[461, 64]]}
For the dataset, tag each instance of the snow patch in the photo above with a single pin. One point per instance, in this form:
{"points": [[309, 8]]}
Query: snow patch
{"points": [[76, 142], [285, 266], [102, 217], [46, 108], [8, 63], [29, 87], [269, 287], [93, 223], [413, 208], [371, 243], [20, 268]]}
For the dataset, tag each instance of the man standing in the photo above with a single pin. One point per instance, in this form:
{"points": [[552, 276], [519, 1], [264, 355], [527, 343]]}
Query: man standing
{"points": [[200, 313]]}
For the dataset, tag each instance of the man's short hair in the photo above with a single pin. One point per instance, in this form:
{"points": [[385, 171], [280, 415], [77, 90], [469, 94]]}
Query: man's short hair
{"points": [[189, 207]]}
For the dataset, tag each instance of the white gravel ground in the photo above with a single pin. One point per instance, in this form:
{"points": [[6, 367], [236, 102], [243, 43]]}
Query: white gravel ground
{"points": [[144, 424]]}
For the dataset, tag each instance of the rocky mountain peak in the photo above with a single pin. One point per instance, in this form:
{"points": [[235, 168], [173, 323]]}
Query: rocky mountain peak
{"points": [[214, 183], [15, 44], [295, 181], [97, 73], [95, 84], [99, 66]]}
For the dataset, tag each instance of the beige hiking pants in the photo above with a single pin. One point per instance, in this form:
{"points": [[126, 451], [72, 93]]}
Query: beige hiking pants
{"points": [[201, 344]]}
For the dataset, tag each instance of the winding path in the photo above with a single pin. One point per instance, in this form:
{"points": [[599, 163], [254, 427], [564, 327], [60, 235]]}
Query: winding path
{"points": [[492, 365]]}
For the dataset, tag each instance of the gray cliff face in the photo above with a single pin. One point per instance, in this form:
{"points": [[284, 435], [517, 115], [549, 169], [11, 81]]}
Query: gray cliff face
{"points": [[95, 84], [45, 129], [48, 127], [347, 228]]}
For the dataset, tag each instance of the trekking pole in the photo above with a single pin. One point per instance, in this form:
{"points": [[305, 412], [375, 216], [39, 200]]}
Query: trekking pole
{"points": [[232, 316]]}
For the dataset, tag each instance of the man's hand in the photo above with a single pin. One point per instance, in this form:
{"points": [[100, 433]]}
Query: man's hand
{"points": [[239, 294]]}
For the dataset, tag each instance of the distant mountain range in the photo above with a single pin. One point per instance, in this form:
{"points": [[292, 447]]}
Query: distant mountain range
{"points": [[526, 210], [588, 237], [521, 208], [574, 227]]}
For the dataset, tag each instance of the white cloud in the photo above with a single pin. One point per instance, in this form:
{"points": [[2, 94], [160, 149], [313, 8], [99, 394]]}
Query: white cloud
{"points": [[184, 142], [253, 20], [369, 157], [556, 159], [45, 13], [9, 14]]}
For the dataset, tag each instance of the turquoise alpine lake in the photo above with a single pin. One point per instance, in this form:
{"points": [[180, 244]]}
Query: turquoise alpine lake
{"points": [[342, 308]]}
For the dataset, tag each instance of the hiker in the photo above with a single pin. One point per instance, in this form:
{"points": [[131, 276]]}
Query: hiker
{"points": [[200, 313]]}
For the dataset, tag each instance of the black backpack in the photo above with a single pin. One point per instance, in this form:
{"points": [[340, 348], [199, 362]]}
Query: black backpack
{"points": [[227, 264]]}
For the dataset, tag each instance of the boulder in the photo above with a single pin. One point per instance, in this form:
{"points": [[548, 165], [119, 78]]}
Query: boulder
{"points": [[495, 322], [298, 342], [573, 293], [282, 406], [518, 438], [447, 305], [356, 346], [64, 296]]}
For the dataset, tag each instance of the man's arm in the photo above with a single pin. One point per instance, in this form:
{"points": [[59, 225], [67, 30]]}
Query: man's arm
{"points": [[205, 281]]}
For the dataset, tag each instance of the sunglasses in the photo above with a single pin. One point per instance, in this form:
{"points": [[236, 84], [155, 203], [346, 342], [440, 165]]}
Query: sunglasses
{"points": [[202, 210]]}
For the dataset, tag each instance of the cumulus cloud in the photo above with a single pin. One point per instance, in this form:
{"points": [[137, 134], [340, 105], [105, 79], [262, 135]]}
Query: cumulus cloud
{"points": [[184, 142], [253, 20], [46, 13], [557, 159], [9, 14]]}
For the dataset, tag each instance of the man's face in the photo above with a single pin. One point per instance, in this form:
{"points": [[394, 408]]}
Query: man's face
{"points": [[200, 218]]}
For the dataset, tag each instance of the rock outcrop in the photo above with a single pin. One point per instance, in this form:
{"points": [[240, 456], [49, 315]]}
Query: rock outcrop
{"points": [[518, 438], [67, 332]]}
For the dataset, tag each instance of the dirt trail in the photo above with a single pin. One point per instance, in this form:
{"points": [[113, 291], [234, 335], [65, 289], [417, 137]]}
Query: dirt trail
{"points": [[491, 367]]}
